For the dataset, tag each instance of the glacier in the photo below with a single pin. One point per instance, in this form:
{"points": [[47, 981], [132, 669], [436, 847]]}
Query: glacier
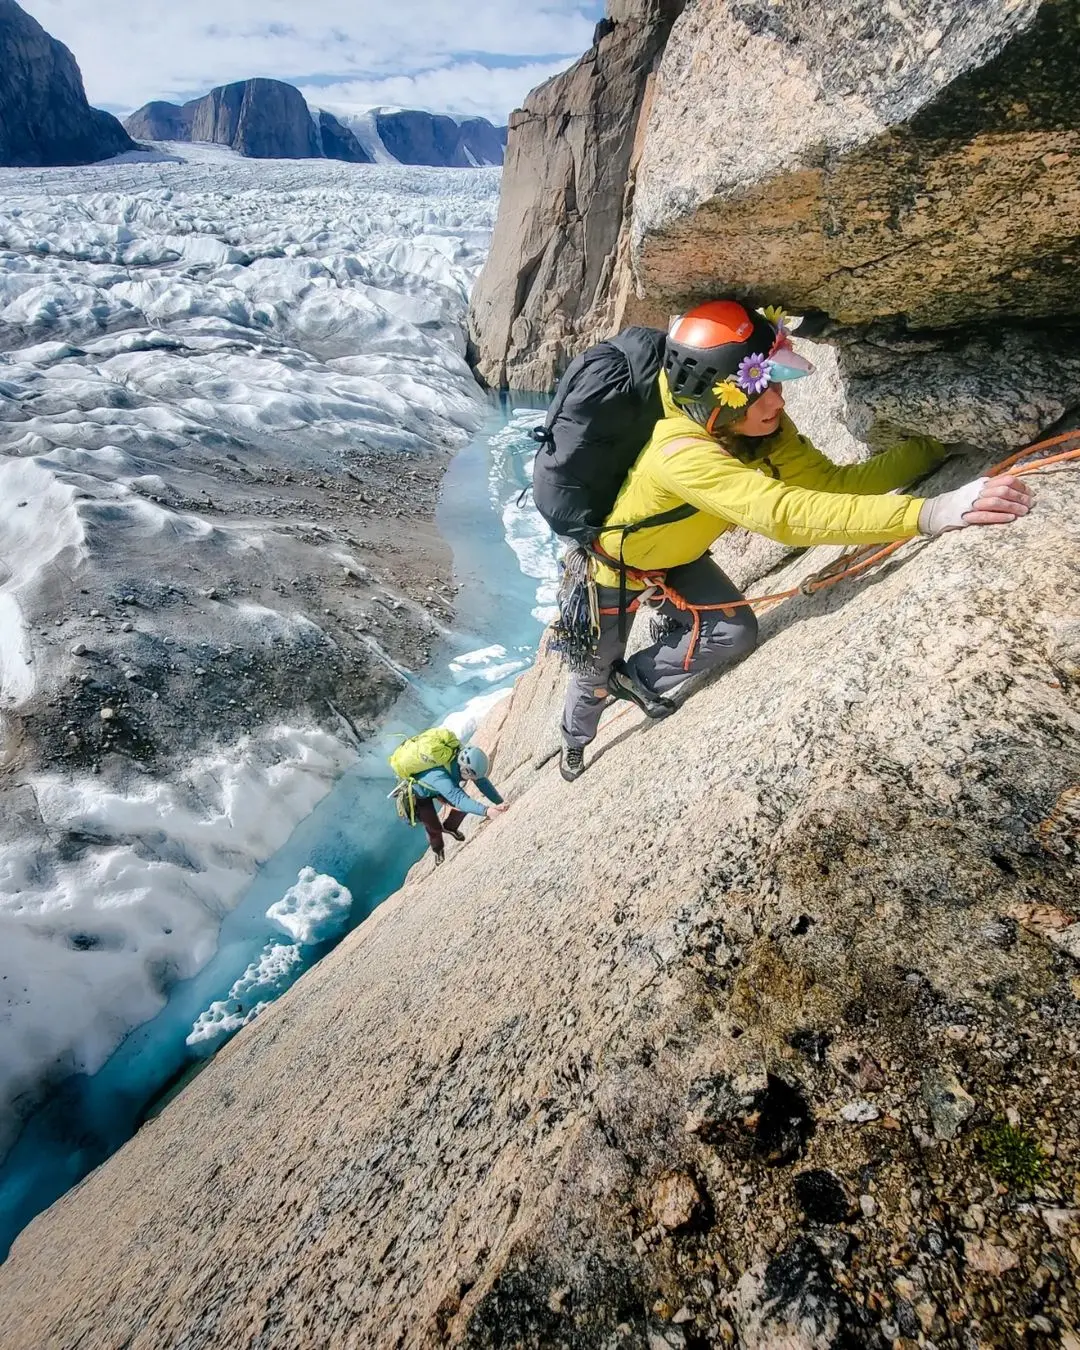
{"points": [[222, 382], [230, 391]]}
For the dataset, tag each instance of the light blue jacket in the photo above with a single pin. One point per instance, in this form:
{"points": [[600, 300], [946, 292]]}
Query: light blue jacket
{"points": [[446, 783]]}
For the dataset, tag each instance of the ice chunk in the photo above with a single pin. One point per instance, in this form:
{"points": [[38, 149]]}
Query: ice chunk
{"points": [[263, 981], [314, 910], [489, 664]]}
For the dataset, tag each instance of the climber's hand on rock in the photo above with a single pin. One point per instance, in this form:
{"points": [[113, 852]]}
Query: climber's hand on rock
{"points": [[497, 810], [986, 501], [1001, 501]]}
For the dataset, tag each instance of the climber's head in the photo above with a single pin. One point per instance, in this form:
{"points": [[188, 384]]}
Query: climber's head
{"points": [[723, 361], [473, 763]]}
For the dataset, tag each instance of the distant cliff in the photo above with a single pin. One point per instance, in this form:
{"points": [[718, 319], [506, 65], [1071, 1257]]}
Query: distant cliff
{"points": [[338, 142], [269, 119], [413, 137], [162, 121], [567, 191], [266, 119], [44, 116]]}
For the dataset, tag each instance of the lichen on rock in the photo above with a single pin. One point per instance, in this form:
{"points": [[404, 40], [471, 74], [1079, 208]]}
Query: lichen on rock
{"points": [[866, 161]]}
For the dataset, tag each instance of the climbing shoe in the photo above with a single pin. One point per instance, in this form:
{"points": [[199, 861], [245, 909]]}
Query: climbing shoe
{"points": [[621, 684], [454, 834], [440, 858], [572, 762]]}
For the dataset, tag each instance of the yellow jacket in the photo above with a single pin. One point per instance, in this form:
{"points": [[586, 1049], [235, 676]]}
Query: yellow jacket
{"points": [[791, 493]]}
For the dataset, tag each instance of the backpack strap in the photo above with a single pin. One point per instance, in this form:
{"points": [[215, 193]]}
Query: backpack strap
{"points": [[543, 434], [676, 513]]}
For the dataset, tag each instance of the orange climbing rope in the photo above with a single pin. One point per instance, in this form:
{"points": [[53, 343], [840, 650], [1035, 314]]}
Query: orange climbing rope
{"points": [[851, 564]]}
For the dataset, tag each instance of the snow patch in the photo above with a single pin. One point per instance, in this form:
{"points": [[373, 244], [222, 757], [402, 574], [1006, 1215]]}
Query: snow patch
{"points": [[464, 721], [489, 664], [40, 531], [93, 939]]}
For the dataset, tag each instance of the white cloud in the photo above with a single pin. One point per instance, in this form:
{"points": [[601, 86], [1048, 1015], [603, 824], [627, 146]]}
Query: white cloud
{"points": [[465, 88], [130, 54]]}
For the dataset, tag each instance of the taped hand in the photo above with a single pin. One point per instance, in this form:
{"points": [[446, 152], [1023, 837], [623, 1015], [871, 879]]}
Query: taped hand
{"points": [[986, 501]]}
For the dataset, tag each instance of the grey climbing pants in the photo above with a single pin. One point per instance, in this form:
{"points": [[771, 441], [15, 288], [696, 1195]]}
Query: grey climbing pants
{"points": [[724, 639]]}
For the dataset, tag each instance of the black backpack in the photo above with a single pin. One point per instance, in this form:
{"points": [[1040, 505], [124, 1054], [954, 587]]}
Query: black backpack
{"points": [[602, 415]]}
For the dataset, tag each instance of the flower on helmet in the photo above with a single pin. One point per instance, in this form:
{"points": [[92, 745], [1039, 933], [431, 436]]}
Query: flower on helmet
{"points": [[729, 395], [754, 373], [779, 321]]}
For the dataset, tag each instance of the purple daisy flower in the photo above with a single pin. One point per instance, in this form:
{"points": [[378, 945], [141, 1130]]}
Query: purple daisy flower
{"points": [[753, 373]]}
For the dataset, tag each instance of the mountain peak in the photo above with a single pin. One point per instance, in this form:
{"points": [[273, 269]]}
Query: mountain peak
{"points": [[45, 118], [269, 119]]}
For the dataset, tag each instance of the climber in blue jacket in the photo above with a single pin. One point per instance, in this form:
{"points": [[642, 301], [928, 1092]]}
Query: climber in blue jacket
{"points": [[439, 784]]}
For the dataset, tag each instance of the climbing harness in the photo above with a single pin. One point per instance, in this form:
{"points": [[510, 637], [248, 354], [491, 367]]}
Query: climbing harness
{"points": [[855, 563]]}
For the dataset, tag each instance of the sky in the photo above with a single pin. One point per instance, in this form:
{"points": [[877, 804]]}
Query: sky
{"points": [[468, 57]]}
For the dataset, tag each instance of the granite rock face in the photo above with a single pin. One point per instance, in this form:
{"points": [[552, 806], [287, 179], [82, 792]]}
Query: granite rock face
{"points": [[870, 161], [266, 119], [44, 116], [562, 1091], [567, 192], [993, 387]]}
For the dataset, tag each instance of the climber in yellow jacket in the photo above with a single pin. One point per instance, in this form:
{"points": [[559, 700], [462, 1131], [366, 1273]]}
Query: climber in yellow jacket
{"points": [[726, 454]]}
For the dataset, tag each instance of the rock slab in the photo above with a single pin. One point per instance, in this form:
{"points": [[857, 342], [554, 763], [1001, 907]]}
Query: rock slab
{"points": [[870, 161], [560, 1092]]}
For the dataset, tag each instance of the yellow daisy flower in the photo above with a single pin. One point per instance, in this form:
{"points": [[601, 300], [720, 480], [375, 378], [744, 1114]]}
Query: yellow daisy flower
{"points": [[729, 395], [774, 314]]}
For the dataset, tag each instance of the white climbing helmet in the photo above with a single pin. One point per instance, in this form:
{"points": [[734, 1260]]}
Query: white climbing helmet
{"points": [[473, 763]]}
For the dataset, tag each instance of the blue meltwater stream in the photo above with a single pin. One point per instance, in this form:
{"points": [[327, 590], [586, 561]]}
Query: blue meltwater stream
{"points": [[504, 562]]}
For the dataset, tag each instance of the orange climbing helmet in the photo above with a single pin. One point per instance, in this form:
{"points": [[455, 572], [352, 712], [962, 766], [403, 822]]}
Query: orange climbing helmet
{"points": [[721, 356]]}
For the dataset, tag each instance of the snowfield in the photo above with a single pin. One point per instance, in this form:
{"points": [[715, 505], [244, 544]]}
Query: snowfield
{"points": [[228, 389]]}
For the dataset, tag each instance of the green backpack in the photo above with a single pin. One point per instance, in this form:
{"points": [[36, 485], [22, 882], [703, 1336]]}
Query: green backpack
{"points": [[436, 748]]}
